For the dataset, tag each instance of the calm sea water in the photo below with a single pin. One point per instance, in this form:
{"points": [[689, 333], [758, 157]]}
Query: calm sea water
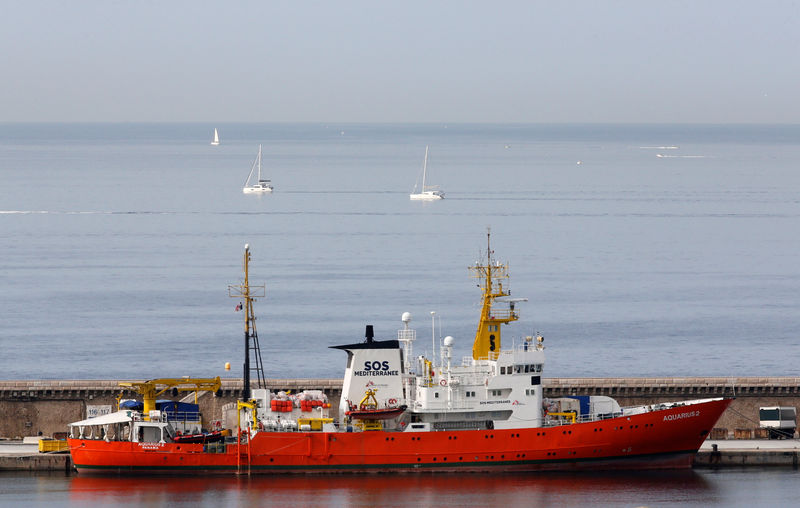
{"points": [[118, 242], [729, 488]]}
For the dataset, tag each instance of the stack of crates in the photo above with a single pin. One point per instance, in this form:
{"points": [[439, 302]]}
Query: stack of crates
{"points": [[48, 445]]}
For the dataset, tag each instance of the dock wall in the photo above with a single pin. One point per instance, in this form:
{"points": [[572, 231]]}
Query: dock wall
{"points": [[746, 458], [30, 407]]}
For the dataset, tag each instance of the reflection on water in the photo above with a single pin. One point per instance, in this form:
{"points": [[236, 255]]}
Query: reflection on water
{"points": [[743, 487], [527, 489]]}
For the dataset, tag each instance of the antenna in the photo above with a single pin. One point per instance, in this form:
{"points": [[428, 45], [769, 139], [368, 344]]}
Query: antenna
{"points": [[407, 336], [433, 334], [251, 345]]}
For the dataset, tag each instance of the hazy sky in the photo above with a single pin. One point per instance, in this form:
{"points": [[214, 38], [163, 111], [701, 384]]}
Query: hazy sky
{"points": [[702, 61]]}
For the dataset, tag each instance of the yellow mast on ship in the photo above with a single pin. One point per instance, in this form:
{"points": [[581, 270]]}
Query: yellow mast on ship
{"points": [[490, 279]]}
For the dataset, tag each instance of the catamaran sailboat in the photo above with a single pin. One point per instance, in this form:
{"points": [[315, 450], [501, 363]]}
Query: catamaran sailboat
{"points": [[429, 192], [216, 138], [261, 185]]}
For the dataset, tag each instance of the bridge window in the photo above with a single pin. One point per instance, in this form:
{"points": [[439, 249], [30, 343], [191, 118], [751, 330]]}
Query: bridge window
{"points": [[528, 368]]}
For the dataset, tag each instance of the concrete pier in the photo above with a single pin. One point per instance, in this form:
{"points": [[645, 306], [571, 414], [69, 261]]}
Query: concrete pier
{"points": [[748, 453], [17, 456]]}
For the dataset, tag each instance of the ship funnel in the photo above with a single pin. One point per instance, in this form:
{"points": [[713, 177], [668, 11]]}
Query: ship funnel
{"points": [[369, 334]]}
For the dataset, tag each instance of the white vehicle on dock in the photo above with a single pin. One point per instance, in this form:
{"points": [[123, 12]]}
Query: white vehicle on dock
{"points": [[781, 421]]}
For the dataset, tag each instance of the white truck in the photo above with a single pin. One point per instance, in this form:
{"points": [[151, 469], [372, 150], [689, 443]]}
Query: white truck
{"points": [[781, 421]]}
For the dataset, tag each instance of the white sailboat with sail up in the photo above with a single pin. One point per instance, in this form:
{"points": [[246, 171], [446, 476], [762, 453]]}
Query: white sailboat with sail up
{"points": [[429, 192], [261, 184], [216, 138]]}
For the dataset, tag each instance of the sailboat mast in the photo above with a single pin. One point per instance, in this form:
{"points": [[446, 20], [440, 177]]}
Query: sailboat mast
{"points": [[259, 163], [425, 167]]}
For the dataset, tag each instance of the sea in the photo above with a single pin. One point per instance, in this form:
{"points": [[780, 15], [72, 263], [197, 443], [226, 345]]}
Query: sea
{"points": [[727, 488], [642, 250]]}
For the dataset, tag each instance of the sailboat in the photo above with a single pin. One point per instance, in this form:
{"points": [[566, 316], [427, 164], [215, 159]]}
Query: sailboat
{"points": [[261, 185], [429, 192], [216, 138]]}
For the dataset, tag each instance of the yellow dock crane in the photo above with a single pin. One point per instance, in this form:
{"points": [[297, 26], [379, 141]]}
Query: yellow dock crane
{"points": [[151, 389]]}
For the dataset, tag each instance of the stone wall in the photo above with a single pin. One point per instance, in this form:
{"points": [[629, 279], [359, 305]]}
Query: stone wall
{"points": [[28, 408], [47, 406], [750, 393]]}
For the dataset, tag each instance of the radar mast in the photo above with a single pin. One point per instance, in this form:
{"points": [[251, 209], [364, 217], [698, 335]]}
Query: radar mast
{"points": [[251, 347], [490, 279]]}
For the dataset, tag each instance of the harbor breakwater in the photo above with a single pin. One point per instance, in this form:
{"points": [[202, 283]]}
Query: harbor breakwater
{"points": [[45, 407]]}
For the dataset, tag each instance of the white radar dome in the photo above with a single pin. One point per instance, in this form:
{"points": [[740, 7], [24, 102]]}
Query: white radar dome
{"points": [[448, 341], [406, 318]]}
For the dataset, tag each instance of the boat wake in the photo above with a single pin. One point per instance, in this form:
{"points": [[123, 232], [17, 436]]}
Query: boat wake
{"points": [[680, 156], [89, 212]]}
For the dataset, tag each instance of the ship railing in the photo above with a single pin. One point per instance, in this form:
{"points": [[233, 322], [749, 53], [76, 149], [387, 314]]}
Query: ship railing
{"points": [[562, 419], [647, 408], [172, 416], [503, 314], [493, 356], [525, 347], [183, 416]]}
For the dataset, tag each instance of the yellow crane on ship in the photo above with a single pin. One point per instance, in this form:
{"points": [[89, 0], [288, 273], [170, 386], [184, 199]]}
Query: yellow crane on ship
{"points": [[151, 389]]}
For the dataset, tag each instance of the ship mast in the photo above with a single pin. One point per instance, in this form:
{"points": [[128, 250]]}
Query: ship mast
{"points": [[251, 347], [490, 279]]}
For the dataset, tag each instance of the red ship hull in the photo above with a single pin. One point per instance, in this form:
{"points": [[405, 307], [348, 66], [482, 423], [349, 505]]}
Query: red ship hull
{"points": [[664, 439]]}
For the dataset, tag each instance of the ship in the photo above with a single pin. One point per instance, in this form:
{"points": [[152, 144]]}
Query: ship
{"points": [[404, 413]]}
